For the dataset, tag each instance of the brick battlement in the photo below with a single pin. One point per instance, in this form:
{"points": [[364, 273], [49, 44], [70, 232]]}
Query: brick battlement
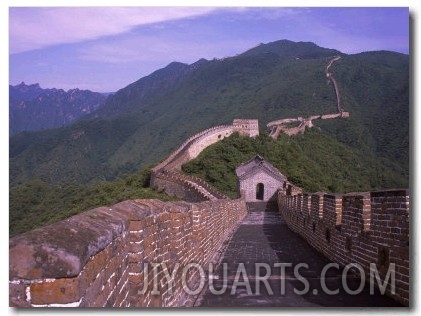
{"points": [[186, 187], [191, 188], [362, 228], [96, 258], [188, 142]]}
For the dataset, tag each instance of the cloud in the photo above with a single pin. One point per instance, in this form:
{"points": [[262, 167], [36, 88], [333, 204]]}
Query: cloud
{"points": [[271, 13], [34, 28], [160, 49]]}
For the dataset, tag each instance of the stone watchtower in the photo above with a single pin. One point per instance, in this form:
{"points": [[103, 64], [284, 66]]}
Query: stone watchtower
{"points": [[246, 127], [258, 180]]}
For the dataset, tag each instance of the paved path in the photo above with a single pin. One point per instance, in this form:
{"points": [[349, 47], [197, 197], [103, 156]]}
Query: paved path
{"points": [[264, 238]]}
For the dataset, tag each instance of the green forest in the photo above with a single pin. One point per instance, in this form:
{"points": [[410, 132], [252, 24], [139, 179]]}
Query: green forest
{"points": [[38, 203], [313, 161], [104, 158]]}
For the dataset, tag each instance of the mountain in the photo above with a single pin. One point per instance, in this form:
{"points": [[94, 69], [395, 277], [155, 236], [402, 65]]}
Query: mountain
{"points": [[143, 122], [290, 49], [24, 92], [138, 94], [32, 108], [313, 161]]}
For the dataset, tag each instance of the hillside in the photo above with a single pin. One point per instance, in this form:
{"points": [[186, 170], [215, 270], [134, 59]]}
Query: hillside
{"points": [[142, 123], [37, 203], [32, 108], [313, 161]]}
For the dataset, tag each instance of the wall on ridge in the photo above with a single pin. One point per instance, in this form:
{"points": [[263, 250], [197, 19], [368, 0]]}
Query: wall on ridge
{"points": [[362, 228], [175, 187], [189, 150], [212, 136], [97, 258]]}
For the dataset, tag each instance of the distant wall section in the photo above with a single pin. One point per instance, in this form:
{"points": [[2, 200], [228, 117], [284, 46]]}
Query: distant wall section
{"points": [[163, 176]]}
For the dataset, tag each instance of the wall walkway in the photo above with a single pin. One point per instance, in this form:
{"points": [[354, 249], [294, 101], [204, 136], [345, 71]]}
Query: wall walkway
{"points": [[261, 243]]}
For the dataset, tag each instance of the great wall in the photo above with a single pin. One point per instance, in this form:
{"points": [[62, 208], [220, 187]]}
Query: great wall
{"points": [[167, 176], [360, 228], [98, 258], [294, 126]]}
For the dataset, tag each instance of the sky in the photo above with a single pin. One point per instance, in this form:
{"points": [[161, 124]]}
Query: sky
{"points": [[67, 53], [106, 48]]}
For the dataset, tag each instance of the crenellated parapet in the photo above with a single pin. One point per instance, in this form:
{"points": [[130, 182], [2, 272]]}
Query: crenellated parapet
{"points": [[246, 127], [177, 155], [370, 229], [165, 175], [104, 257], [186, 187]]}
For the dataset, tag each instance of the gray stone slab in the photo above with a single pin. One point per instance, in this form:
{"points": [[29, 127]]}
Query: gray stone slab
{"points": [[263, 238]]}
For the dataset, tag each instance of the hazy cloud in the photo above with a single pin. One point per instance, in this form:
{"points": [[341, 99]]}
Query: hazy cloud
{"points": [[34, 28], [114, 46], [151, 49]]}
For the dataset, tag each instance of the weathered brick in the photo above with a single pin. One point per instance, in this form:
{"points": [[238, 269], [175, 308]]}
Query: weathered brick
{"points": [[59, 291], [17, 295], [136, 225], [368, 224]]}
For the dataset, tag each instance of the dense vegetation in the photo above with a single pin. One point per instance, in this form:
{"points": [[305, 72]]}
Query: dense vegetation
{"points": [[142, 123], [38, 203], [313, 161]]}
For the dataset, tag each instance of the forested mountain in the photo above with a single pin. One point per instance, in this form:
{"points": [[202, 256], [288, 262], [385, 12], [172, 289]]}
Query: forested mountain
{"points": [[143, 122], [313, 161], [32, 108]]}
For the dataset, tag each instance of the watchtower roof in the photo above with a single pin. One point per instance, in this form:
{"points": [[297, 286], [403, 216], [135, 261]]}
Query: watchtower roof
{"points": [[256, 165]]}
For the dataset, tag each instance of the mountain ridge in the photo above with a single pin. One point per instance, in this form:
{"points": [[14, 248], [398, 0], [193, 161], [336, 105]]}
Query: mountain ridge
{"points": [[143, 122], [287, 48], [33, 108]]}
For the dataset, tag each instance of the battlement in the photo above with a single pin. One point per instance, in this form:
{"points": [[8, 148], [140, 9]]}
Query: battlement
{"points": [[97, 258], [185, 187], [362, 228], [193, 189], [188, 142], [246, 127]]}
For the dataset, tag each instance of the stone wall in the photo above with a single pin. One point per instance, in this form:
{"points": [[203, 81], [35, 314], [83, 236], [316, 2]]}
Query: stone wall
{"points": [[206, 140], [362, 228], [98, 258], [281, 126], [246, 127], [191, 149], [175, 187], [248, 187], [195, 144], [194, 189], [185, 187]]}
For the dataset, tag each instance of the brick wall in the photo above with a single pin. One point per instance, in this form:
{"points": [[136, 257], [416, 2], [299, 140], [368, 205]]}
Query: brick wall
{"points": [[176, 187], [192, 190], [362, 228], [249, 186], [98, 258]]}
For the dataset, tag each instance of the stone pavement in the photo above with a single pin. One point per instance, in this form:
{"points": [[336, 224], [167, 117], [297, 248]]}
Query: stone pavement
{"points": [[264, 238]]}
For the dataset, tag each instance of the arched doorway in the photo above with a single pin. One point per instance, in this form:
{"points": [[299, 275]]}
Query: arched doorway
{"points": [[260, 191]]}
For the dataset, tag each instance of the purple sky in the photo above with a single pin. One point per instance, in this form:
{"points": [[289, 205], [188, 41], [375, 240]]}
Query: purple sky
{"points": [[105, 49]]}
